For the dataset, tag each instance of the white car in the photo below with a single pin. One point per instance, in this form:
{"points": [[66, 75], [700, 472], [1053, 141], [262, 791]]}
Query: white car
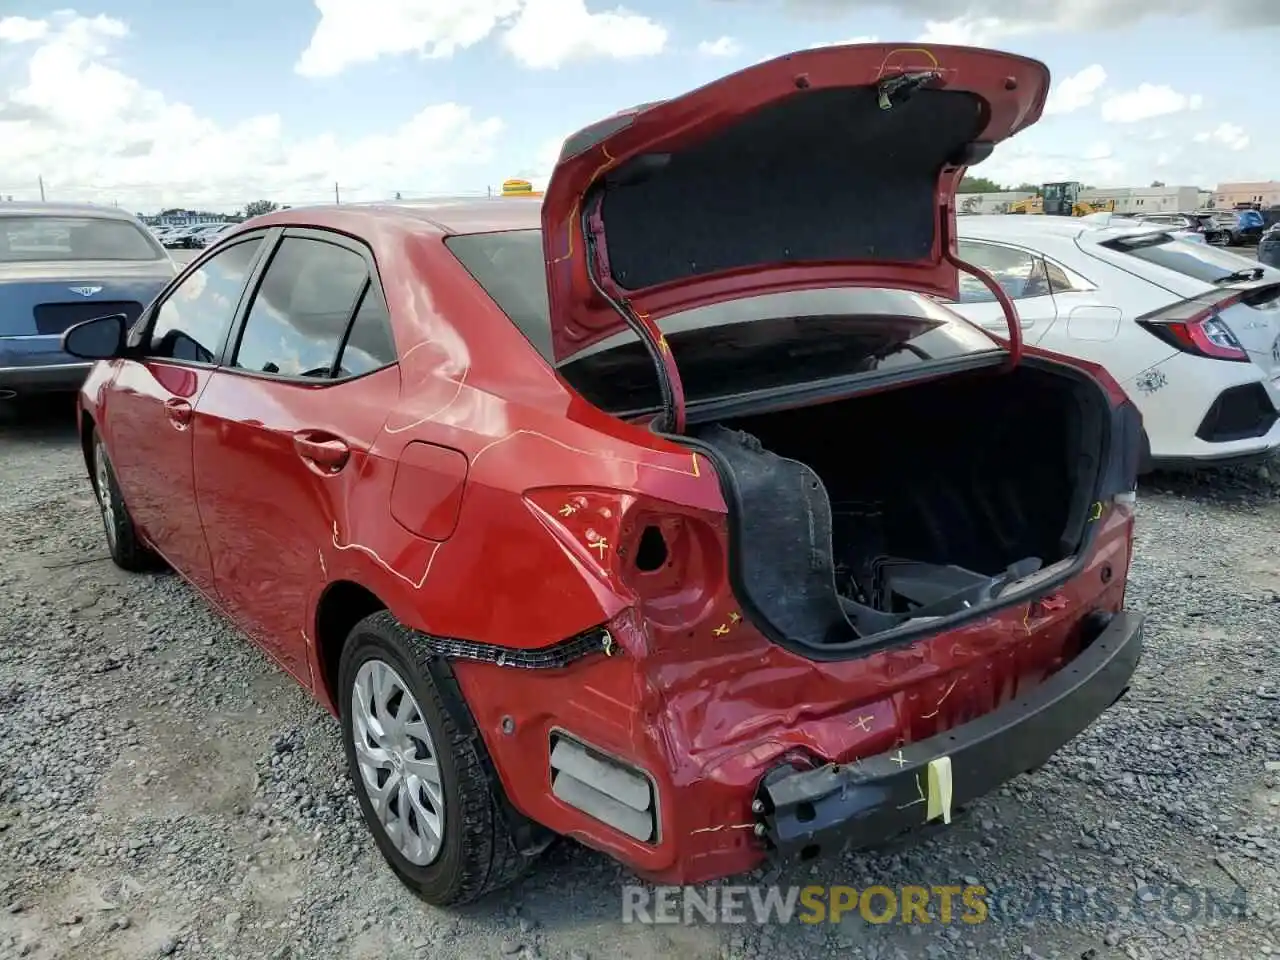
{"points": [[1191, 331]]}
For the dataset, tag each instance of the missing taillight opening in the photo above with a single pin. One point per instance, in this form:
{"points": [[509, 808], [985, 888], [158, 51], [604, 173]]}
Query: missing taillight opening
{"points": [[651, 551]]}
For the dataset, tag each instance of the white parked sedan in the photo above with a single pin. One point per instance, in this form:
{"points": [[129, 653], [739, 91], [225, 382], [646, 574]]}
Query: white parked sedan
{"points": [[1191, 331]]}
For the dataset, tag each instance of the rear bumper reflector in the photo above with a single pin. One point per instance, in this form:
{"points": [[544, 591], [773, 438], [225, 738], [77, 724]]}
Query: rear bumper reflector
{"points": [[603, 788]]}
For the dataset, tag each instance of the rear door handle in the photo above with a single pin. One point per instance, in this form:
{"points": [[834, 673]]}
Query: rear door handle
{"points": [[178, 411], [322, 450]]}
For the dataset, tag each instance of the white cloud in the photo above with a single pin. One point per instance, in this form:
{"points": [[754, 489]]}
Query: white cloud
{"points": [[1076, 91], [722, 47], [21, 29], [1083, 15], [1098, 151], [970, 31], [548, 33], [95, 133], [1147, 101], [844, 43], [1227, 134], [541, 34]]}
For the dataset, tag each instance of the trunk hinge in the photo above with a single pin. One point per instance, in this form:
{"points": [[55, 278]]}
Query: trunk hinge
{"points": [[650, 334], [997, 291]]}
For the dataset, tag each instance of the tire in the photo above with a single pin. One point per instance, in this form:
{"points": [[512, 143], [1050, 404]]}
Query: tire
{"points": [[127, 549], [477, 851]]}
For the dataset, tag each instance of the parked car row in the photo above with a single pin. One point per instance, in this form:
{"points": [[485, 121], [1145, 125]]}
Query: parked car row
{"points": [[1269, 246], [1224, 228], [192, 236]]}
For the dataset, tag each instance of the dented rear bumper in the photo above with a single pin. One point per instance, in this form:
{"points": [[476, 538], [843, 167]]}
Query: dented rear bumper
{"points": [[864, 803]]}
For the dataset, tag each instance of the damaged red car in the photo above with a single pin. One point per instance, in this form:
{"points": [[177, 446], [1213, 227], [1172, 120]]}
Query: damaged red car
{"points": [[674, 512]]}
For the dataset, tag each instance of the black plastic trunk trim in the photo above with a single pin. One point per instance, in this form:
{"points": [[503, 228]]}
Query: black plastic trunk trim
{"points": [[876, 798]]}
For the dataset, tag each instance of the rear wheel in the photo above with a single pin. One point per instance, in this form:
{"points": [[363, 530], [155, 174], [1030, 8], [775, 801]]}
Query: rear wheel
{"points": [[127, 548], [419, 768]]}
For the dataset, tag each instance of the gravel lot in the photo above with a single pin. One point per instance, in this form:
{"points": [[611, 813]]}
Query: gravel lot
{"points": [[165, 791]]}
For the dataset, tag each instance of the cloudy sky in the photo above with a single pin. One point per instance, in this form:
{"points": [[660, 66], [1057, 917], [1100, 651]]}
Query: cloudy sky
{"points": [[211, 104]]}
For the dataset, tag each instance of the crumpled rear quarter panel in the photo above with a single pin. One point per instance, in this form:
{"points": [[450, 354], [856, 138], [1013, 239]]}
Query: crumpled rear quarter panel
{"points": [[708, 712]]}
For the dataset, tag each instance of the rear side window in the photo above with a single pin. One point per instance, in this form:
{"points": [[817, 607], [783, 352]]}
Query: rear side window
{"points": [[1199, 261], [1020, 274], [194, 319], [369, 345], [68, 239], [303, 307], [510, 267]]}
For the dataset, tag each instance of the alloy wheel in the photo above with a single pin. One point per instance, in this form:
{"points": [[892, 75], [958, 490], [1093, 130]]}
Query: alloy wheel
{"points": [[102, 478], [398, 762]]}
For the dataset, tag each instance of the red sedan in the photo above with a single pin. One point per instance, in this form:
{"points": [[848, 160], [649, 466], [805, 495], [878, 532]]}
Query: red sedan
{"points": [[674, 512]]}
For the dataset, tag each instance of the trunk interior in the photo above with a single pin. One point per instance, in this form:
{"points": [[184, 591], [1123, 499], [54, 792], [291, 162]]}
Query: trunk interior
{"points": [[856, 516]]}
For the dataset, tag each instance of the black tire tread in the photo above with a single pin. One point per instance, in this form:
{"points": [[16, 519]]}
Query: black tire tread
{"points": [[490, 858], [128, 552]]}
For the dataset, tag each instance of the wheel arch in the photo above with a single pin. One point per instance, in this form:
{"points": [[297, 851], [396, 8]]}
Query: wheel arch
{"points": [[342, 605], [87, 427]]}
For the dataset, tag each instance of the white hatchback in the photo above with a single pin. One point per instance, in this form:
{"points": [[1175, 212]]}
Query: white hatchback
{"points": [[1191, 331]]}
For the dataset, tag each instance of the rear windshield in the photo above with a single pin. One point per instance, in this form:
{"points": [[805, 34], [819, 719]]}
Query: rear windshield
{"points": [[1199, 261], [32, 239], [746, 345]]}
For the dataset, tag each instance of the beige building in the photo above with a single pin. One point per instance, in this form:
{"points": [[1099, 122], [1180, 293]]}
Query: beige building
{"points": [[1263, 192], [1146, 199]]}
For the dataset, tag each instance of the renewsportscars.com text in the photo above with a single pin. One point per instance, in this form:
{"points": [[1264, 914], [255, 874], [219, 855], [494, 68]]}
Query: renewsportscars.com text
{"points": [[917, 904]]}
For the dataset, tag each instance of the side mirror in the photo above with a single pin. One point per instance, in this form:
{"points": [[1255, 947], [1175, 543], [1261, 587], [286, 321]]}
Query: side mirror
{"points": [[101, 338]]}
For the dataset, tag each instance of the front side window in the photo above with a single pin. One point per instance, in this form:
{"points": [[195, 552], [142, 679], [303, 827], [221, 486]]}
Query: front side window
{"points": [[1020, 274], [68, 239], [301, 311], [194, 319]]}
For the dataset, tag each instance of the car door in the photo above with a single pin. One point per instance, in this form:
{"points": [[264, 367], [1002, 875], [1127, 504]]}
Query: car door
{"points": [[149, 408], [283, 429], [1021, 274]]}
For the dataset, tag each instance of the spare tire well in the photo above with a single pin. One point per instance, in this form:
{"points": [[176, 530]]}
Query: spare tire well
{"points": [[343, 605]]}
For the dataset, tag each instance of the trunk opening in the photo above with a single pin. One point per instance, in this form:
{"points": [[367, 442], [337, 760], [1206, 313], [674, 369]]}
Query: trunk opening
{"points": [[871, 513]]}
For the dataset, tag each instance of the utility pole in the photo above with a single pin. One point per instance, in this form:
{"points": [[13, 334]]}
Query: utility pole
{"points": [[335, 192], [41, 178]]}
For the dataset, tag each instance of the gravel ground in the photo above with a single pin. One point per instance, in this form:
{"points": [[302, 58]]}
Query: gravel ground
{"points": [[165, 791]]}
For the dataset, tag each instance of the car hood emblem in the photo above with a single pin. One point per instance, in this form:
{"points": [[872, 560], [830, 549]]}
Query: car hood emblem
{"points": [[85, 291]]}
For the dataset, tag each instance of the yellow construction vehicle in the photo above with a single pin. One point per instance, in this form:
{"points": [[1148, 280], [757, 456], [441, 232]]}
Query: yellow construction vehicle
{"points": [[1062, 199], [1030, 205], [1082, 208], [519, 188]]}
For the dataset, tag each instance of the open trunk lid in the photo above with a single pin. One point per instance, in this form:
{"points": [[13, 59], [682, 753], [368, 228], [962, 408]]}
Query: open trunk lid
{"points": [[824, 168]]}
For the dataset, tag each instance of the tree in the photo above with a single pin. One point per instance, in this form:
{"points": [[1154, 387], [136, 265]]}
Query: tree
{"points": [[1028, 188], [1157, 183], [258, 207], [978, 185]]}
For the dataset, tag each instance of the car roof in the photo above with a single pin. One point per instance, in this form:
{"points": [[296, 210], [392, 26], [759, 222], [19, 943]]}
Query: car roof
{"points": [[1014, 227], [49, 209], [1028, 229], [444, 216]]}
